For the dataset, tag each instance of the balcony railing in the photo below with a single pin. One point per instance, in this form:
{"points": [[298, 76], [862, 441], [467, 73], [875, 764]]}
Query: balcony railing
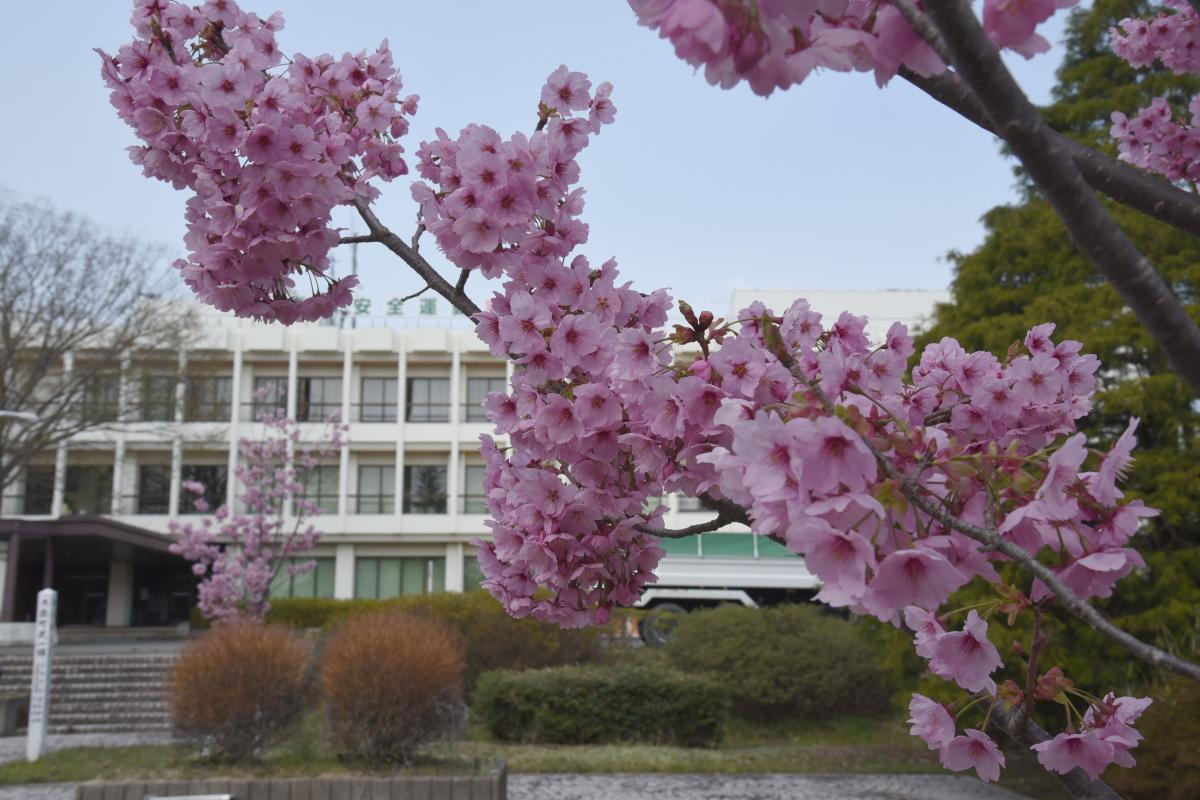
{"points": [[375, 412], [251, 412], [378, 503], [472, 503], [318, 412], [427, 412], [26, 504], [473, 412]]}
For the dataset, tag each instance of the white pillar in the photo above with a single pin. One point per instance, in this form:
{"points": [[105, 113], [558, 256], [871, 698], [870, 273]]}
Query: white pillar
{"points": [[235, 418], [118, 478], [39, 691], [343, 572], [60, 480], [119, 611], [454, 566], [293, 371], [177, 440], [344, 454], [402, 402], [452, 477]]}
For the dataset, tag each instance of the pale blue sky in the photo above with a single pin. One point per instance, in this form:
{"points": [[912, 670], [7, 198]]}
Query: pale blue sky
{"points": [[835, 184]]}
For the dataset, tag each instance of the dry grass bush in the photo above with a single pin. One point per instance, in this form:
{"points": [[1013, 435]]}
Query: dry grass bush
{"points": [[240, 686], [392, 682]]}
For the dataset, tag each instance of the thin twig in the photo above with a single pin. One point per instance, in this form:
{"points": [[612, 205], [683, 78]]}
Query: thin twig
{"points": [[1036, 643], [415, 294], [365, 239], [1051, 167], [433, 279], [720, 521], [462, 282]]}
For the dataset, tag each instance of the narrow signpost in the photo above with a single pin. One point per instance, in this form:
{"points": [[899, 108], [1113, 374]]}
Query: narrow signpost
{"points": [[39, 694]]}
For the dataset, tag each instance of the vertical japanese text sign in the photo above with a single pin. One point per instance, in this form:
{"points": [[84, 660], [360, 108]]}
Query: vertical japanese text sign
{"points": [[39, 695]]}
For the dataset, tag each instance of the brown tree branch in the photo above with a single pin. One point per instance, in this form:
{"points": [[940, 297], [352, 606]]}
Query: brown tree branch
{"points": [[1115, 179], [1048, 163], [1027, 733], [715, 524], [433, 279]]}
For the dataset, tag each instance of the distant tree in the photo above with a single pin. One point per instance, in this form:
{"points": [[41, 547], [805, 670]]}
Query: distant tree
{"points": [[79, 308]]}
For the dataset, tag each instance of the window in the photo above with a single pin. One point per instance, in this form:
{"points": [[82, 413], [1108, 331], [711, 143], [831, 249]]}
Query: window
{"points": [[208, 398], [318, 398], [477, 391], [376, 489], [321, 487], [472, 573], [100, 399], [270, 396], [383, 578], [154, 489], [474, 500], [316, 582], [39, 490], [428, 400], [424, 489], [378, 402], [212, 478], [88, 490], [158, 398]]}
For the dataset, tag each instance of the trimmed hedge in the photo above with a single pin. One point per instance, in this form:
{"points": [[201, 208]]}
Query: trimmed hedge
{"points": [[787, 662], [594, 705], [492, 639]]}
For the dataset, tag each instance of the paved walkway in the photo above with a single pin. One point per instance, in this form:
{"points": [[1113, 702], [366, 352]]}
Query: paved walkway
{"points": [[752, 787], [692, 787]]}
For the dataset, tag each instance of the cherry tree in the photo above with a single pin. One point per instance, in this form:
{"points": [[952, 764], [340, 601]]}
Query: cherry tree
{"points": [[898, 477], [237, 552]]}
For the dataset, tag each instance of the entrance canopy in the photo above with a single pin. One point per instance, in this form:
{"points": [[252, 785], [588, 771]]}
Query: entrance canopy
{"points": [[107, 573]]}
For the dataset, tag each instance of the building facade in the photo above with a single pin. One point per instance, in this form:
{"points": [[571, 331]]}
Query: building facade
{"points": [[400, 503]]}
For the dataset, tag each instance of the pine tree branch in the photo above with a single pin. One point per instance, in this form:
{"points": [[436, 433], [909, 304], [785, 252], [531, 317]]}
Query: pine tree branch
{"points": [[1046, 160]]}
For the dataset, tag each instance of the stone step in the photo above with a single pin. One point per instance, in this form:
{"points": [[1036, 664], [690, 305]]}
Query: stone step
{"points": [[109, 728]]}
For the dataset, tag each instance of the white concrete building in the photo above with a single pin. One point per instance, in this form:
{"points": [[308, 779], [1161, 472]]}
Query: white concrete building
{"points": [[401, 500]]}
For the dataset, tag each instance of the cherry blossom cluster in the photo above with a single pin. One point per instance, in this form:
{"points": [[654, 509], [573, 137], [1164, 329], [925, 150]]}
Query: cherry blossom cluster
{"points": [[267, 145], [773, 45], [238, 553], [1153, 138], [804, 423]]}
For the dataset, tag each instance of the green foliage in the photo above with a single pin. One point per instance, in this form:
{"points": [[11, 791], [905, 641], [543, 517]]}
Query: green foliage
{"points": [[493, 639], [791, 661], [594, 704], [1169, 758]]}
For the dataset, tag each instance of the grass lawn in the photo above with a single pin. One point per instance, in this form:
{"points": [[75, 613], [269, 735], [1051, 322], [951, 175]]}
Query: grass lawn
{"points": [[851, 745]]}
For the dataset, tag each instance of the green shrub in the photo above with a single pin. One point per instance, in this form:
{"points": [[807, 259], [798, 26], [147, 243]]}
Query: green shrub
{"points": [[594, 704], [493, 639], [790, 661], [1168, 759]]}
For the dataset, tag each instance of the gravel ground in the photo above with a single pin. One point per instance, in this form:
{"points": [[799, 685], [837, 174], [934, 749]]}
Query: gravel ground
{"points": [[654, 787], [752, 787]]}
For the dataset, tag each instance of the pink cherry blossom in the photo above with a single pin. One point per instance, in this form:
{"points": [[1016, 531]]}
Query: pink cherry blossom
{"points": [[930, 721], [967, 657], [973, 750]]}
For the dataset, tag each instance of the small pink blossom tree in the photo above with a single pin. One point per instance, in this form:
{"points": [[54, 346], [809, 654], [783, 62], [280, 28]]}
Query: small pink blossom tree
{"points": [[898, 477], [238, 553]]}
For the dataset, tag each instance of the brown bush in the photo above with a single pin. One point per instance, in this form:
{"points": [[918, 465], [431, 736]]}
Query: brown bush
{"points": [[237, 688], [392, 682]]}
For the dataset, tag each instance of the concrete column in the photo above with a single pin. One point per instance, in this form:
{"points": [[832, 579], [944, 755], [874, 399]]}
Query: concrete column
{"points": [[456, 383], [12, 560], [343, 572], [119, 611], [235, 418], [402, 401], [176, 475], [118, 479], [176, 440], [60, 480], [344, 453], [3, 577], [123, 390], [293, 373], [454, 566]]}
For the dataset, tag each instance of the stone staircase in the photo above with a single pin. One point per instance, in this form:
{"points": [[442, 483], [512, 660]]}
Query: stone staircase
{"points": [[100, 692]]}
